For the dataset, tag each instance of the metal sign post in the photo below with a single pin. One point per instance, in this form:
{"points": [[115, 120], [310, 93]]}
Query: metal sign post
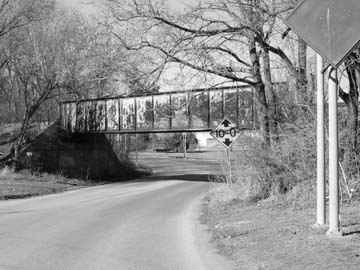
{"points": [[229, 164], [136, 149], [125, 146], [320, 175], [334, 221], [184, 143]]}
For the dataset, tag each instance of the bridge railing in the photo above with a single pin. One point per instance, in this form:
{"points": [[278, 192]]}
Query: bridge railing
{"points": [[196, 110]]}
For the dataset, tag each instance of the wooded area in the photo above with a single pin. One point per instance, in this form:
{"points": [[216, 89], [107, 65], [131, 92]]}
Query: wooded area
{"points": [[50, 53]]}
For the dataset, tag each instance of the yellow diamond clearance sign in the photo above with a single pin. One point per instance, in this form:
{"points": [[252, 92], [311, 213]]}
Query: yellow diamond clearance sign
{"points": [[330, 27], [226, 133]]}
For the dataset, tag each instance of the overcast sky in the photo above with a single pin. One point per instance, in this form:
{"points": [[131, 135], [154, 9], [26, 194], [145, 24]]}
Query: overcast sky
{"points": [[83, 5], [71, 3], [80, 5], [171, 79]]}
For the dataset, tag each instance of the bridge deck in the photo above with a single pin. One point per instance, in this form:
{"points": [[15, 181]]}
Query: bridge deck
{"points": [[181, 111]]}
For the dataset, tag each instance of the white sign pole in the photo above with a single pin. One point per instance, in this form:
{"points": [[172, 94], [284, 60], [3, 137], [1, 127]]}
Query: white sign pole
{"points": [[320, 184], [184, 143], [137, 150], [229, 164], [125, 148], [334, 224]]}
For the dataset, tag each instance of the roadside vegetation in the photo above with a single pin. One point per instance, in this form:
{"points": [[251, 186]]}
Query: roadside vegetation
{"points": [[276, 235], [23, 184], [262, 210]]}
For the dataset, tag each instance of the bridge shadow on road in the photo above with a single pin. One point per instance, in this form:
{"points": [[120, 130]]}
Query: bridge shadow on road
{"points": [[200, 177], [184, 177], [159, 168]]}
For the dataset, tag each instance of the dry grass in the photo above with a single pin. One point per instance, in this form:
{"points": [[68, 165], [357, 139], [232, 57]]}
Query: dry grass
{"points": [[263, 227], [264, 236], [24, 184], [221, 194], [240, 180]]}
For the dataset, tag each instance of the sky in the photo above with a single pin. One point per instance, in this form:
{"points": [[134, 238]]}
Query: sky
{"points": [[81, 5], [84, 6], [73, 3], [174, 78]]}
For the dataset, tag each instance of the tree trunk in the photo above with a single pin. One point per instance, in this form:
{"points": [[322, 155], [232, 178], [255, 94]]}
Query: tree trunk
{"points": [[352, 104], [353, 109], [301, 78], [21, 138], [272, 97], [260, 94], [29, 113]]}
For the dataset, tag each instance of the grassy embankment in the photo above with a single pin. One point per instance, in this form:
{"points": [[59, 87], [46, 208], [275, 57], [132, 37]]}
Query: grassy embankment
{"points": [[15, 185], [270, 235], [26, 183], [278, 232], [22, 184]]}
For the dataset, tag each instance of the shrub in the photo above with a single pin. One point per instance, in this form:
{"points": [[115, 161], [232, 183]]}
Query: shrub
{"points": [[175, 141], [7, 172], [286, 167]]}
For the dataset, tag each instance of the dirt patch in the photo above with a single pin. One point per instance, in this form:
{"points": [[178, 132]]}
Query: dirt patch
{"points": [[264, 236]]}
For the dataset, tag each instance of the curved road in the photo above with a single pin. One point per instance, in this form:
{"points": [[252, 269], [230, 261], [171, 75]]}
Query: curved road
{"points": [[144, 224]]}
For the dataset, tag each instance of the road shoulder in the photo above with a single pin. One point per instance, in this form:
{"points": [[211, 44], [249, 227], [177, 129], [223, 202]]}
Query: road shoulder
{"points": [[206, 250]]}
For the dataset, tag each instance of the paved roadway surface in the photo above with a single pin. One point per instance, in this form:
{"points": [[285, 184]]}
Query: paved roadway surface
{"points": [[143, 224]]}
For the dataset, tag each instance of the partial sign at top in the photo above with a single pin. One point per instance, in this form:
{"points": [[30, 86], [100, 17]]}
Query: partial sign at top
{"points": [[330, 27], [226, 133]]}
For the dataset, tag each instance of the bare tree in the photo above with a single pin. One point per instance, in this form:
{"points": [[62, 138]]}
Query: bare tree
{"points": [[16, 13], [47, 60], [226, 39], [207, 39], [351, 99]]}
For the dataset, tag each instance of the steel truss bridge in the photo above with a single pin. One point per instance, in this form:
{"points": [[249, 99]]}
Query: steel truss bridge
{"points": [[178, 111]]}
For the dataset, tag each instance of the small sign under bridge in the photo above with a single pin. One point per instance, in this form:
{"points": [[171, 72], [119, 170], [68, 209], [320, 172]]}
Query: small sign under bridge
{"points": [[226, 133]]}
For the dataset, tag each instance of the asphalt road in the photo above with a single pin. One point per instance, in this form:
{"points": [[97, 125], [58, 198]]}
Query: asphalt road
{"points": [[134, 225]]}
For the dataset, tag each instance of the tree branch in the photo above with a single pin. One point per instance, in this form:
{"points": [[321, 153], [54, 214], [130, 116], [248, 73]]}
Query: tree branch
{"points": [[229, 52], [214, 71]]}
